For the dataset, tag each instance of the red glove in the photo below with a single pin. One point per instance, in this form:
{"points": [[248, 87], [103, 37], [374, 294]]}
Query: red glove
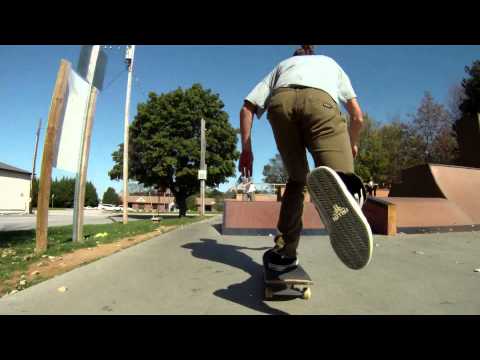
{"points": [[245, 164]]}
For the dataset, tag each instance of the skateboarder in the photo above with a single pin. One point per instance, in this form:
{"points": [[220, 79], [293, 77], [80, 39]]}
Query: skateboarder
{"points": [[250, 189], [301, 96]]}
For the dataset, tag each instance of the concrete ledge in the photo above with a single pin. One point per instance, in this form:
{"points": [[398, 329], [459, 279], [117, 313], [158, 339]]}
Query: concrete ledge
{"points": [[381, 215], [261, 218], [438, 229]]}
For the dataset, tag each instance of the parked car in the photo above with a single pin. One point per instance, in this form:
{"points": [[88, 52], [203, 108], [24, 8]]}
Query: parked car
{"points": [[109, 207]]}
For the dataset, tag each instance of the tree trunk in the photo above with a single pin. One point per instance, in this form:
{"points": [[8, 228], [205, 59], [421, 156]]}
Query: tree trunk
{"points": [[182, 204]]}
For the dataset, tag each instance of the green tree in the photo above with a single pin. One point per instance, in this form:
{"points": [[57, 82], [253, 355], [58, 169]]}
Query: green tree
{"points": [[63, 192], [274, 171], [192, 202], [110, 196], [471, 86], [91, 196], [35, 192], [165, 143], [401, 146], [466, 126], [219, 198], [456, 96], [372, 158]]}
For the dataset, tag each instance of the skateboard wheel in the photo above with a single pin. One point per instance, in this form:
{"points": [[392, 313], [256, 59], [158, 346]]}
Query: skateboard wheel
{"points": [[307, 294], [268, 293]]}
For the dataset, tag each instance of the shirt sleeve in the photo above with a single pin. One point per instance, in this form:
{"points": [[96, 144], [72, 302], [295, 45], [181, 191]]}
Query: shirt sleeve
{"points": [[261, 92], [345, 89]]}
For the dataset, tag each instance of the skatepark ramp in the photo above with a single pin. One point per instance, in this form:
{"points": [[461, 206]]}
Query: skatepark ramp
{"points": [[430, 198], [459, 185]]}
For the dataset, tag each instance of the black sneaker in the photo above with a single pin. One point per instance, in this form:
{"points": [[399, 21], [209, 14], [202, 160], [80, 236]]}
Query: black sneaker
{"points": [[278, 262], [341, 213], [355, 186]]}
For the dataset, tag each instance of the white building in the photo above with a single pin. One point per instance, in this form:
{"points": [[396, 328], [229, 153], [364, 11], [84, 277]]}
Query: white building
{"points": [[14, 189]]}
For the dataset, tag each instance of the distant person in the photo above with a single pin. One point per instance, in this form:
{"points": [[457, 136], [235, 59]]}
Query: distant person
{"points": [[250, 190], [243, 182], [370, 187], [301, 96]]}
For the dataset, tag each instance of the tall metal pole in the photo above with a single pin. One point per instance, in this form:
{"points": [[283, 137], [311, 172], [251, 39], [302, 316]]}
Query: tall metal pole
{"points": [[129, 60], [32, 179], [202, 166]]}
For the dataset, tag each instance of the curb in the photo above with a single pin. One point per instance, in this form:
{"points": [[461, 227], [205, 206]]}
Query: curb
{"points": [[198, 222]]}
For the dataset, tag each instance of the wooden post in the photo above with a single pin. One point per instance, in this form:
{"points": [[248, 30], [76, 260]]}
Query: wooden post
{"points": [[84, 164], [80, 183], [32, 178], [54, 115]]}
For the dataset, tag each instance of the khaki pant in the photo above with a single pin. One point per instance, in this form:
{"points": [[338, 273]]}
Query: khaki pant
{"points": [[305, 119]]}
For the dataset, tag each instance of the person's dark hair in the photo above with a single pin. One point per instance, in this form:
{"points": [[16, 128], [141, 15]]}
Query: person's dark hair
{"points": [[304, 50]]}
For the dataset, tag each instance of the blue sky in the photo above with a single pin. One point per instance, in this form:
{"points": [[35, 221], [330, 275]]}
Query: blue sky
{"points": [[389, 80]]}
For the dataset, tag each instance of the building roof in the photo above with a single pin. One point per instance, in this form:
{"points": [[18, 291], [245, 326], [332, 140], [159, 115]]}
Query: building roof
{"points": [[10, 168], [145, 199]]}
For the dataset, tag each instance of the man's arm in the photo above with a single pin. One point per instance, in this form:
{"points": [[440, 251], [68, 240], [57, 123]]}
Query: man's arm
{"points": [[246, 121], [356, 123]]}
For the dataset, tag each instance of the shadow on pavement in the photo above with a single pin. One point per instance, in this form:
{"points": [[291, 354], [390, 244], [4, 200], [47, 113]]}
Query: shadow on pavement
{"points": [[248, 293], [218, 227]]}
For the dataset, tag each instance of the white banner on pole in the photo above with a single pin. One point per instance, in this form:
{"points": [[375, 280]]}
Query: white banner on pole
{"points": [[69, 135]]}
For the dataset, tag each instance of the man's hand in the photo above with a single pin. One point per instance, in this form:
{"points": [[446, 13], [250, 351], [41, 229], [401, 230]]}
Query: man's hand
{"points": [[356, 123], [354, 151], [246, 163]]}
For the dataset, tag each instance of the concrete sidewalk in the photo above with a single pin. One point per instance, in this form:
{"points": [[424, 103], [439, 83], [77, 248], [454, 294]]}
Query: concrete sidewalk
{"points": [[195, 270]]}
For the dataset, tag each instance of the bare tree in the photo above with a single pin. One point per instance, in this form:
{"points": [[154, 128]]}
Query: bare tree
{"points": [[433, 124]]}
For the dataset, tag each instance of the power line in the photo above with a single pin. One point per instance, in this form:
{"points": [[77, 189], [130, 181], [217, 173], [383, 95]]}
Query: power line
{"points": [[142, 90], [114, 79]]}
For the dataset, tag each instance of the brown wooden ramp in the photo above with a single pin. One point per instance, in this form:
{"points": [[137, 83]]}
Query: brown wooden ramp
{"points": [[460, 185]]}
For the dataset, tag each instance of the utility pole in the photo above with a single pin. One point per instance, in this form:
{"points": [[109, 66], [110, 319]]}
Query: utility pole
{"points": [[37, 136], [54, 116], [129, 60], [203, 172]]}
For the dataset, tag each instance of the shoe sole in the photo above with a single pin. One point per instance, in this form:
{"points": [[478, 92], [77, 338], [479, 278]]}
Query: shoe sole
{"points": [[350, 233], [282, 268]]}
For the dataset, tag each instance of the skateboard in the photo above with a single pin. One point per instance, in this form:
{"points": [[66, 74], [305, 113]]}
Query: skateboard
{"points": [[290, 283]]}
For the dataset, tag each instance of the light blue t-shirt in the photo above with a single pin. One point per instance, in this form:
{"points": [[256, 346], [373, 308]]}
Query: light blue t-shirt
{"points": [[315, 71]]}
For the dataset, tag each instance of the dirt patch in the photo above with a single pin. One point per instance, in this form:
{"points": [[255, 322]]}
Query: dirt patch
{"points": [[49, 267]]}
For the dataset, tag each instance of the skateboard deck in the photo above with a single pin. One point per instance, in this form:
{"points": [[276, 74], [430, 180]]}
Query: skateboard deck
{"points": [[292, 283]]}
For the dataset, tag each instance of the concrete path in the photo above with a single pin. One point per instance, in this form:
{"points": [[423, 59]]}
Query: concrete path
{"points": [[195, 270]]}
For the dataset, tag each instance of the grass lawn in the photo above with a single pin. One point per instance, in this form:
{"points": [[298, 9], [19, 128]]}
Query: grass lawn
{"points": [[17, 247]]}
